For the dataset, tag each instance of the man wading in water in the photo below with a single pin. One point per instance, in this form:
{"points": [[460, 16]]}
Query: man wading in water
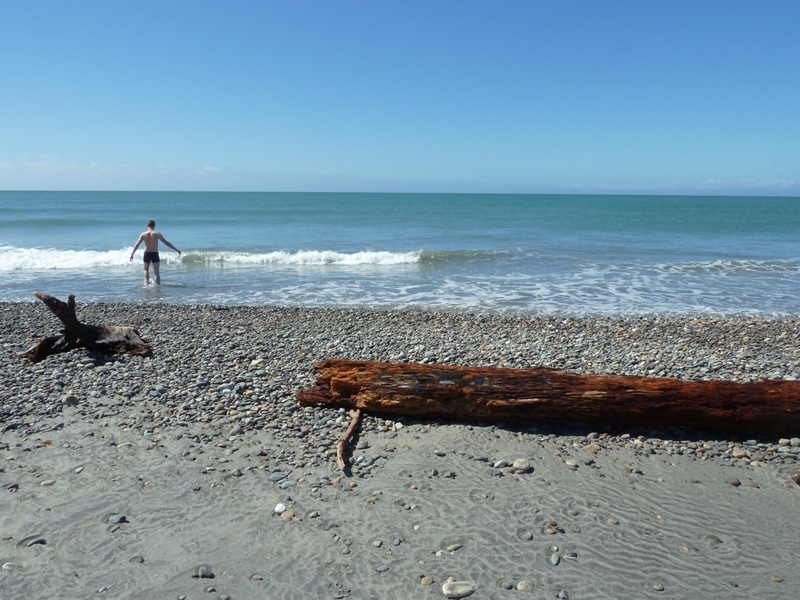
{"points": [[150, 239]]}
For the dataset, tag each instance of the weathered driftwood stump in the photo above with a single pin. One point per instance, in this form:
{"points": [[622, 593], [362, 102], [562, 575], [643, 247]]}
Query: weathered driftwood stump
{"points": [[102, 338], [547, 395]]}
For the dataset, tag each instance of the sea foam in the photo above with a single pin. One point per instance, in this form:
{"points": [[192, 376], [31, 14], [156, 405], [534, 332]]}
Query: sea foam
{"points": [[42, 259], [17, 259], [301, 257]]}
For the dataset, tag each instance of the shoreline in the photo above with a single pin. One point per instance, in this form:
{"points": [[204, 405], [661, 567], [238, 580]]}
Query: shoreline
{"points": [[137, 472]]}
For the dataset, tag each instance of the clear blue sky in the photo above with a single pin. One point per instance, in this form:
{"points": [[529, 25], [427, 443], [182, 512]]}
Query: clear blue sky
{"points": [[492, 96]]}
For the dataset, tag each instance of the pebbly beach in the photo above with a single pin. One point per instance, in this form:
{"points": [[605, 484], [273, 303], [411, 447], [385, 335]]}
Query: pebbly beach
{"points": [[195, 473]]}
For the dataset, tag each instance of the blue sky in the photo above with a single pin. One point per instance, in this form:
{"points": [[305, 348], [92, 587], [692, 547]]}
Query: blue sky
{"points": [[422, 96]]}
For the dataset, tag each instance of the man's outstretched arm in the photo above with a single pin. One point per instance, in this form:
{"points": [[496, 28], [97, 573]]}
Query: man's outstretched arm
{"points": [[163, 239], [138, 242]]}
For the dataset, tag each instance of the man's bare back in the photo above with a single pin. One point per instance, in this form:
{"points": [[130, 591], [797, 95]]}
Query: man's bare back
{"points": [[151, 237]]}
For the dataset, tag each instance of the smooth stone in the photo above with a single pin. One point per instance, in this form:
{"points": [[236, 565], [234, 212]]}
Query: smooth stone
{"points": [[204, 572], [280, 508], [115, 519], [555, 559], [525, 586], [522, 465], [33, 540], [733, 481], [458, 589]]}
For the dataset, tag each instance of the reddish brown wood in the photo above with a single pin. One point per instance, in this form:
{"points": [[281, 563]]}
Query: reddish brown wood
{"points": [[355, 422], [546, 395], [108, 339]]}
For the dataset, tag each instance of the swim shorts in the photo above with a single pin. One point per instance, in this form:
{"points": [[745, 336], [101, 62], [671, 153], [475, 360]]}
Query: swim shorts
{"points": [[151, 257]]}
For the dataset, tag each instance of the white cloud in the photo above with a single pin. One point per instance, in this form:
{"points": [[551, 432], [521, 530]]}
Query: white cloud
{"points": [[780, 184]]}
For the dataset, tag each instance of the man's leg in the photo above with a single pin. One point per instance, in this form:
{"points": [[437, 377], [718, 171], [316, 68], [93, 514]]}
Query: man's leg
{"points": [[156, 273], [147, 273]]}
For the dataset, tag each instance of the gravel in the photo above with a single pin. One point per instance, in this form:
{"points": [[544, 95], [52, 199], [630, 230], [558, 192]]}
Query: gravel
{"points": [[237, 368]]}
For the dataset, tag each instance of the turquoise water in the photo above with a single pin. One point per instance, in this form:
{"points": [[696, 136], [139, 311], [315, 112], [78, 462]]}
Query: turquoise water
{"points": [[483, 253]]}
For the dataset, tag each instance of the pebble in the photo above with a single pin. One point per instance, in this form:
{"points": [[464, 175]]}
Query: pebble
{"points": [[458, 589], [525, 586], [522, 465], [203, 572]]}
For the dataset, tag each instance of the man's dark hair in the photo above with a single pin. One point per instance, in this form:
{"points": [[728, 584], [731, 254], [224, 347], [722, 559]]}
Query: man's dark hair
{"points": [[151, 224]]}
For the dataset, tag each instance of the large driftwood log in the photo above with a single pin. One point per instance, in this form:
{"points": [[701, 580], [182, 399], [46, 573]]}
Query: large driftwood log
{"points": [[108, 339], [547, 395]]}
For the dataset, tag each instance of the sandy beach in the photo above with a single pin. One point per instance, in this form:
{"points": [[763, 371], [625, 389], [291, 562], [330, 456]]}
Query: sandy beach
{"points": [[195, 473]]}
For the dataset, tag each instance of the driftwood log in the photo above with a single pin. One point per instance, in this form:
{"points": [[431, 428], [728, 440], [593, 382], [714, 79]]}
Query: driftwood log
{"points": [[547, 395], [107, 339]]}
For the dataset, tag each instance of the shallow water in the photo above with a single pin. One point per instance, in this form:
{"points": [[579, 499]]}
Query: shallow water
{"points": [[489, 253]]}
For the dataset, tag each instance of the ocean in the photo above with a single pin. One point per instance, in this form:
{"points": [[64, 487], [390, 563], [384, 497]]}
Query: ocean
{"points": [[482, 253]]}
